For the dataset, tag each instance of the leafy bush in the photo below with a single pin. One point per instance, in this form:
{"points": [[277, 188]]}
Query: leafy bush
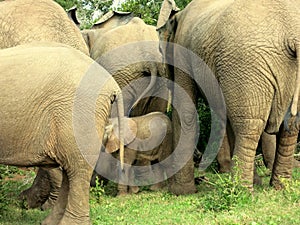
{"points": [[228, 192], [146, 10]]}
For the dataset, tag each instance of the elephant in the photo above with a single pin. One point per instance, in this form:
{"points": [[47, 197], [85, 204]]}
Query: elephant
{"points": [[112, 31], [24, 21], [53, 115], [154, 129], [141, 76], [252, 51]]}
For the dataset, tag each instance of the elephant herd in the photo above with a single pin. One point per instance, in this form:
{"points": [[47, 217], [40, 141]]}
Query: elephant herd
{"points": [[71, 99]]}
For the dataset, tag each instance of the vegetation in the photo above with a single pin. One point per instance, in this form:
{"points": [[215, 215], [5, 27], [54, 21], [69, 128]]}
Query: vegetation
{"points": [[89, 11], [220, 200]]}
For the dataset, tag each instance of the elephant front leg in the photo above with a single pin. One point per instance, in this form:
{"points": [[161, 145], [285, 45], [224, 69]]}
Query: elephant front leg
{"points": [[55, 178], [283, 164], [38, 193], [224, 157], [184, 121]]}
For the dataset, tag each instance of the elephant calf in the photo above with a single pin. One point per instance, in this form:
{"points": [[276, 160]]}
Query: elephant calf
{"points": [[147, 138]]}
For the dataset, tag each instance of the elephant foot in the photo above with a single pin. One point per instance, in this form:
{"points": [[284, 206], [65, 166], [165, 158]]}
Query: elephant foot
{"points": [[48, 204], [278, 183], [182, 189], [51, 220], [157, 186], [257, 179], [68, 220], [122, 193], [31, 199], [296, 163], [134, 189], [225, 167]]}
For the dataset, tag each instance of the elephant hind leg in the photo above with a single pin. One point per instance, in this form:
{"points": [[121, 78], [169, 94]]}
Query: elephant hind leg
{"points": [[60, 205], [283, 164], [247, 135]]}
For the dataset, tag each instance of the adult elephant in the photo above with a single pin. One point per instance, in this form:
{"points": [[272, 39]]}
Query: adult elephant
{"points": [[129, 50], [24, 21], [52, 115], [109, 35], [252, 49]]}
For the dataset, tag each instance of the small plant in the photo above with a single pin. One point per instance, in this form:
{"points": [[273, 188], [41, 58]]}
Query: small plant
{"points": [[228, 192], [291, 190], [98, 190]]}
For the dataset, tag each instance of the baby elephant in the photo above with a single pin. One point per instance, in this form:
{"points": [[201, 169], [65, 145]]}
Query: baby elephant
{"points": [[146, 138]]}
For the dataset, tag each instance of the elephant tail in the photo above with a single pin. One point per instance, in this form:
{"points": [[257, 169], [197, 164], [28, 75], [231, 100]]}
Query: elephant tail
{"points": [[294, 107]]}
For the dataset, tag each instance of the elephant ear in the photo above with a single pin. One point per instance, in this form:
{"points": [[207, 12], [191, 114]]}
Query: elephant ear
{"points": [[168, 9], [111, 132], [72, 15], [89, 37]]}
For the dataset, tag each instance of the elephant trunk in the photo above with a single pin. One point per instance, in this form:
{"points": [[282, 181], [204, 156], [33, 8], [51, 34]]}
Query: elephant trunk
{"points": [[120, 109], [149, 87]]}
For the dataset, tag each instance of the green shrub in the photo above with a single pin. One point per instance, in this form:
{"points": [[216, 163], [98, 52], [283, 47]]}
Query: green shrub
{"points": [[98, 191], [228, 192]]}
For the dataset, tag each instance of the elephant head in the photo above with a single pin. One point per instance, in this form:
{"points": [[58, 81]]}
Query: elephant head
{"points": [[111, 139]]}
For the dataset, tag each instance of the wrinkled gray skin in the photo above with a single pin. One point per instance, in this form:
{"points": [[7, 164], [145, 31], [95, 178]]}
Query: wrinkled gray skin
{"points": [[38, 119], [268, 148], [111, 32], [102, 41], [154, 129], [252, 49], [44, 191], [24, 21]]}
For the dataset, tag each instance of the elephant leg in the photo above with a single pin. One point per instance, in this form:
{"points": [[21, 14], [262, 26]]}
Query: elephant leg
{"points": [[159, 174], [268, 146], [286, 144], [60, 205], [224, 156], [55, 178], [247, 135], [140, 174], [184, 122], [38, 193], [79, 176]]}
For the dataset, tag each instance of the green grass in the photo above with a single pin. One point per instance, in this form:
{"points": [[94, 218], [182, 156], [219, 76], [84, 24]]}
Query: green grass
{"points": [[215, 203]]}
